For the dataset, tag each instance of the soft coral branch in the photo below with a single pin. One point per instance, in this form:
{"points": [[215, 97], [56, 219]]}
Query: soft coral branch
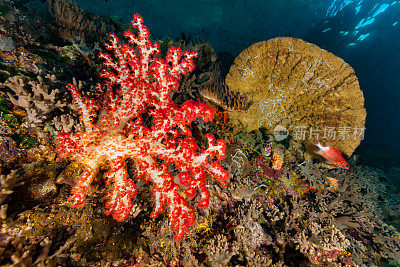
{"points": [[136, 85]]}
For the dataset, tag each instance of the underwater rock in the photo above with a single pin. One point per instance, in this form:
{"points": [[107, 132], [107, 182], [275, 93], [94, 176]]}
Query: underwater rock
{"points": [[309, 91], [40, 180], [6, 44]]}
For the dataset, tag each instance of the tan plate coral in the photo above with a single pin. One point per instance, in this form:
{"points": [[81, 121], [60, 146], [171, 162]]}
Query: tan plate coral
{"points": [[295, 84]]}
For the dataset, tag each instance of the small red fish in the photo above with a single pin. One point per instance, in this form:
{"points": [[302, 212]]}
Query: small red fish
{"points": [[331, 155]]}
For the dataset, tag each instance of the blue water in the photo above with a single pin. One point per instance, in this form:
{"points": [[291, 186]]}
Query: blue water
{"points": [[365, 33]]}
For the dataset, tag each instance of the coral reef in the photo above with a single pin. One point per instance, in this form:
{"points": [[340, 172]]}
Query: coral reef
{"points": [[12, 21], [9, 153], [35, 97], [21, 60], [76, 22], [277, 208], [220, 251], [7, 183], [308, 90], [122, 132]]}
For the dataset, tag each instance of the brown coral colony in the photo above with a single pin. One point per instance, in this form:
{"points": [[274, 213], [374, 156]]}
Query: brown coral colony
{"points": [[300, 86]]}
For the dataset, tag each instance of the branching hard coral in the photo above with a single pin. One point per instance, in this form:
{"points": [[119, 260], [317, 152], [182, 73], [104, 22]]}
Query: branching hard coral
{"points": [[340, 215], [248, 231], [318, 241], [64, 123], [239, 189], [136, 119], [254, 259], [311, 174], [374, 190], [35, 97], [5, 129], [7, 183], [219, 251], [388, 241], [73, 21], [21, 60], [18, 249]]}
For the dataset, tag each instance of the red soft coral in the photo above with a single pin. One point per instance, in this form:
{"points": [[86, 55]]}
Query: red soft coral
{"points": [[138, 84]]}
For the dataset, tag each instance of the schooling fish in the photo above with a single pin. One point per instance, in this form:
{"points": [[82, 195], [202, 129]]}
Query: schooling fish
{"points": [[332, 155]]}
